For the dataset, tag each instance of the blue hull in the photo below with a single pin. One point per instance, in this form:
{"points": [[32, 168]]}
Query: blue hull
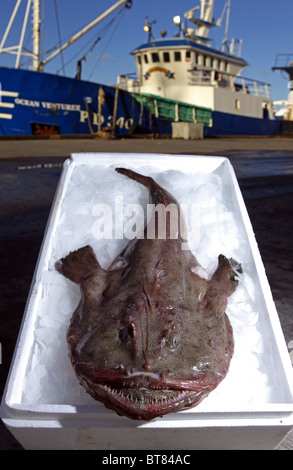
{"points": [[35, 103], [42, 103], [230, 124]]}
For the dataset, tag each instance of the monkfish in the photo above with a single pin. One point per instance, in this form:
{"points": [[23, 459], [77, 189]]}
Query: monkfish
{"points": [[150, 335]]}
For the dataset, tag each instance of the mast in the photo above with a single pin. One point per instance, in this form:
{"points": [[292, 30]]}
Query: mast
{"points": [[19, 51], [36, 34], [225, 40], [206, 15], [9, 26], [205, 22]]}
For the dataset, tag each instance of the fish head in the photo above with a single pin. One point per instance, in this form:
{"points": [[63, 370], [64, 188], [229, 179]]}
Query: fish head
{"points": [[150, 359]]}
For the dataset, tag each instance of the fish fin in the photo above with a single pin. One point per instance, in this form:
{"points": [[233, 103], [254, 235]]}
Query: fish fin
{"points": [[227, 272], [118, 263], [78, 264]]}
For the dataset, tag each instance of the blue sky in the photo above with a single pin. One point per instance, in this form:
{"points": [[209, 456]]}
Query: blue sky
{"points": [[264, 25]]}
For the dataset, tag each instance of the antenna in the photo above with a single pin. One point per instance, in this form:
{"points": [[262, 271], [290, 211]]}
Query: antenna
{"points": [[148, 28]]}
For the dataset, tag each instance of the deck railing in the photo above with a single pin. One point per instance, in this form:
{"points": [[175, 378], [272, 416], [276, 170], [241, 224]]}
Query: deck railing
{"points": [[174, 110], [253, 87], [283, 60], [226, 80], [212, 78]]}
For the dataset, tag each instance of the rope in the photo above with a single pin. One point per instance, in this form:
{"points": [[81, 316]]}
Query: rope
{"points": [[120, 12], [59, 35]]}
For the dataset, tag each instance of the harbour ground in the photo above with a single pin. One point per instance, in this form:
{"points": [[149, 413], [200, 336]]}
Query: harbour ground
{"points": [[29, 173], [62, 146]]}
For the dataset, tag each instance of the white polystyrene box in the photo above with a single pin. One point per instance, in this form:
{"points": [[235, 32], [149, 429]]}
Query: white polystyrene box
{"points": [[43, 404]]}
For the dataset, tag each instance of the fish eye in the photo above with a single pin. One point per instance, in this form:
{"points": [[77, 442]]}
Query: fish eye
{"points": [[126, 334], [174, 343]]}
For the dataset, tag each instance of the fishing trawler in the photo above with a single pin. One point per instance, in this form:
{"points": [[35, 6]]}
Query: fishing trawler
{"points": [[186, 78], [178, 79], [34, 102]]}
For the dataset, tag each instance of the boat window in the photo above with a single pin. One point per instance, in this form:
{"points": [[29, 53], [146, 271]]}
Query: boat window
{"points": [[177, 56], [188, 56], [237, 105], [155, 57], [196, 58], [139, 59], [166, 56], [204, 60], [146, 60]]}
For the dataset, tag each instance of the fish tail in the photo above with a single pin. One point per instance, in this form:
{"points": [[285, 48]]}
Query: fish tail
{"points": [[144, 180], [157, 193]]}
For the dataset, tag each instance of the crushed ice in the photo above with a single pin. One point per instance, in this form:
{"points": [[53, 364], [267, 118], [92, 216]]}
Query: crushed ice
{"points": [[50, 379]]}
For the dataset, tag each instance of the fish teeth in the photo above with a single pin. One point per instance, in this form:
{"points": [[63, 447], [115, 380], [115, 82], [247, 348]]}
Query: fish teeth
{"points": [[146, 397]]}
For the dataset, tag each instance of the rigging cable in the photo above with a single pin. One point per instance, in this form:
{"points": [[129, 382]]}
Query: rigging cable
{"points": [[120, 12], [78, 53], [59, 36], [90, 43]]}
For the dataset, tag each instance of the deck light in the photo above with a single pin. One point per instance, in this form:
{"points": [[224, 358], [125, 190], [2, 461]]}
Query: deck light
{"points": [[148, 28], [177, 20]]}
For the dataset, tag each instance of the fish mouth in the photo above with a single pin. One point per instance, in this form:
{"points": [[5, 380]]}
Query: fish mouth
{"points": [[143, 404], [142, 396]]}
